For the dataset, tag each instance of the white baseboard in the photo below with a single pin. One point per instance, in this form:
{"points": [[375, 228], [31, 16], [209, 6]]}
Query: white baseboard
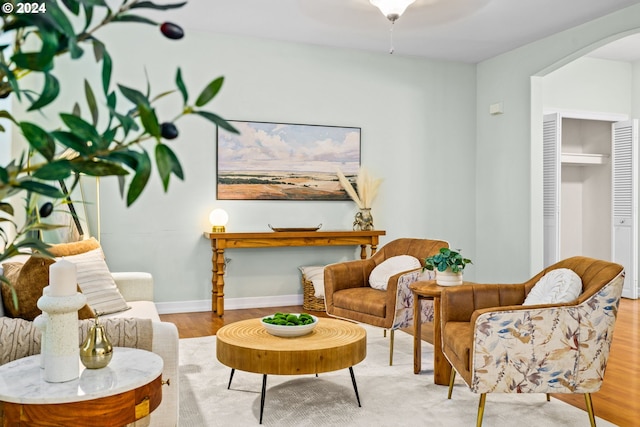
{"points": [[229, 304]]}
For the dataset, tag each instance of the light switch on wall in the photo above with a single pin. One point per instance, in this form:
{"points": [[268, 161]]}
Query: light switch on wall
{"points": [[495, 109]]}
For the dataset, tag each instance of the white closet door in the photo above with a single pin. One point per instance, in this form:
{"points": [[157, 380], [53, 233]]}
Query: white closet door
{"points": [[552, 135], [625, 202]]}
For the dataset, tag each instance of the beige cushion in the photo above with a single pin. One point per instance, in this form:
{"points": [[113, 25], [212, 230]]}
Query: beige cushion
{"points": [[380, 275], [96, 282], [557, 286], [74, 248]]}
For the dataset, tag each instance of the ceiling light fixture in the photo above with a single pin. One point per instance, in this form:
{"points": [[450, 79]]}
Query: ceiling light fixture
{"points": [[392, 10]]}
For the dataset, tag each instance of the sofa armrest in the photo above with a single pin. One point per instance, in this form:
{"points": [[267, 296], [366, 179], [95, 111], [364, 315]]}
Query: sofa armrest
{"points": [[460, 302], [134, 286], [165, 344]]}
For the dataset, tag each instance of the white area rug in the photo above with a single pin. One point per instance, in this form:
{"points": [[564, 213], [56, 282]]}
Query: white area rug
{"points": [[390, 395]]}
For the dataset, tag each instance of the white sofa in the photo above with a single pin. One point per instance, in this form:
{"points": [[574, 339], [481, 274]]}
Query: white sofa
{"points": [[137, 290]]}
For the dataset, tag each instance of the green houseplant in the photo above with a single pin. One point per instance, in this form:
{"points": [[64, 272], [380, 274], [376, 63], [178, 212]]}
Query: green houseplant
{"points": [[117, 131], [448, 265]]}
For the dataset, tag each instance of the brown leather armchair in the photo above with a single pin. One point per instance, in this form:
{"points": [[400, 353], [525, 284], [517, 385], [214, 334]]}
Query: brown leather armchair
{"points": [[498, 345], [348, 294]]}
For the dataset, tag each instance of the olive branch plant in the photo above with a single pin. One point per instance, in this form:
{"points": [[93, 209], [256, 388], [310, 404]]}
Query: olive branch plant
{"points": [[123, 147]]}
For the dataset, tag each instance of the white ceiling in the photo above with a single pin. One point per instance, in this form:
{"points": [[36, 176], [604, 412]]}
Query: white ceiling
{"points": [[458, 30]]}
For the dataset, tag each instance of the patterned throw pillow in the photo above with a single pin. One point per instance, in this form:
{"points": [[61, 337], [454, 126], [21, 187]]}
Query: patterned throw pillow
{"points": [[380, 275], [557, 286], [96, 282]]}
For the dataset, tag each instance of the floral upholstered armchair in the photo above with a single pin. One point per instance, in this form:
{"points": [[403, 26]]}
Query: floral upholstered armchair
{"points": [[349, 293], [499, 345]]}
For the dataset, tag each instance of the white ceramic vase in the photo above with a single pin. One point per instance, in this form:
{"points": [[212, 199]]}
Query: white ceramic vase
{"points": [[448, 278]]}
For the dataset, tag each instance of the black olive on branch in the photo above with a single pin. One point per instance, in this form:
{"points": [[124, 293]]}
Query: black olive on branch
{"points": [[168, 130], [46, 209], [171, 30]]}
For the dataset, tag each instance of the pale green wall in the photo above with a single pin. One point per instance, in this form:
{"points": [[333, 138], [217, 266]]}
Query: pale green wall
{"points": [[509, 154], [418, 134], [590, 85], [635, 88], [426, 131]]}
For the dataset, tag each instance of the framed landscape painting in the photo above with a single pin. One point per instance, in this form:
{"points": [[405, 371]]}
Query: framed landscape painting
{"points": [[278, 161]]}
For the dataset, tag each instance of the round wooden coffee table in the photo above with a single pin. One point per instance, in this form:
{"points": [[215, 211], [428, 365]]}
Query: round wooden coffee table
{"points": [[332, 345]]}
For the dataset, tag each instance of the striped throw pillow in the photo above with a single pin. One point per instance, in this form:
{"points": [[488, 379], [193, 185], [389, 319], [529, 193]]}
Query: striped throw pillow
{"points": [[96, 283]]}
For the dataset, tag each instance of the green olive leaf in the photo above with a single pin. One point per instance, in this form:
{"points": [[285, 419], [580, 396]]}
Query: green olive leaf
{"points": [[181, 86], [39, 139], [217, 120], [49, 93], [209, 92], [168, 163]]}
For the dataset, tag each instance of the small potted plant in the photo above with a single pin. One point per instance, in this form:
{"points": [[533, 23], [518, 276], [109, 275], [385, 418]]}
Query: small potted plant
{"points": [[448, 265]]}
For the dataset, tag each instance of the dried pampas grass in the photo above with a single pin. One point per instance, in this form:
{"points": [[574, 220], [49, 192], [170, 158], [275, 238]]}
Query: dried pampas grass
{"points": [[367, 188]]}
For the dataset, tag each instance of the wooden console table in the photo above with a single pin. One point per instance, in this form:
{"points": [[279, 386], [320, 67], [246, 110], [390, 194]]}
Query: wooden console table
{"points": [[272, 239]]}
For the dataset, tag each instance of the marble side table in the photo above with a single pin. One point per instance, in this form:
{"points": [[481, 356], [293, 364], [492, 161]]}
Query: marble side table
{"points": [[128, 389]]}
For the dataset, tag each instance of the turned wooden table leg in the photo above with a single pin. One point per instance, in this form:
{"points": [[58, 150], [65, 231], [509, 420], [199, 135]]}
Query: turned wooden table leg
{"points": [[219, 286], [214, 275]]}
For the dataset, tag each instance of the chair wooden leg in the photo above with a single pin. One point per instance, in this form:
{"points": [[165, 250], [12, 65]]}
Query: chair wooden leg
{"points": [[452, 379], [483, 399], [592, 416], [384, 333], [391, 336], [548, 397]]}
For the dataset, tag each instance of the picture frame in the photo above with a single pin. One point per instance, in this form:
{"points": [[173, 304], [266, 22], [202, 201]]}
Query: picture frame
{"points": [[285, 161]]}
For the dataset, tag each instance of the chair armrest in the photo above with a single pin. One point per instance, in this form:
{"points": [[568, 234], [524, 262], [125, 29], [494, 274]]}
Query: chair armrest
{"points": [[458, 303], [403, 316], [536, 342], [345, 275], [134, 286]]}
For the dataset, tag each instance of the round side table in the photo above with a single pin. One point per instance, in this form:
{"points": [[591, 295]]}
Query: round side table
{"points": [[126, 390], [441, 368]]}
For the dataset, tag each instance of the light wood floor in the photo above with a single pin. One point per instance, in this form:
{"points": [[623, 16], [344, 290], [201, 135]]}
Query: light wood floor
{"points": [[618, 401]]}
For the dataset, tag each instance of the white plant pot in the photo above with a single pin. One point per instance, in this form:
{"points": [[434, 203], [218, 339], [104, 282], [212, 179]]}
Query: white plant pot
{"points": [[448, 278]]}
